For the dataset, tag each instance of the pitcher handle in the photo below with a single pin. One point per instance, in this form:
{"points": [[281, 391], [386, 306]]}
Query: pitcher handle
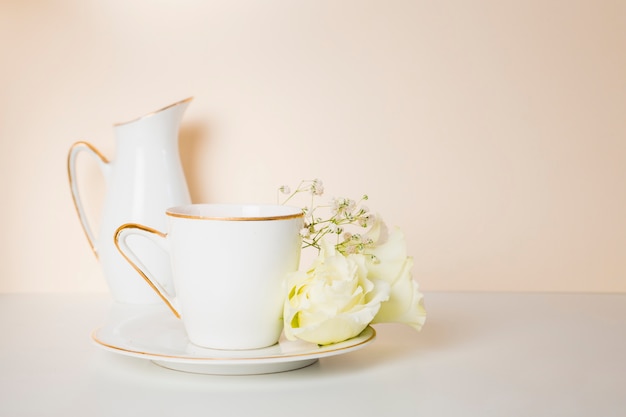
{"points": [[103, 163], [160, 239]]}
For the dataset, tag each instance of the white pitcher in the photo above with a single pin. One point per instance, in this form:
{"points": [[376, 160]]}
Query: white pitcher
{"points": [[144, 179]]}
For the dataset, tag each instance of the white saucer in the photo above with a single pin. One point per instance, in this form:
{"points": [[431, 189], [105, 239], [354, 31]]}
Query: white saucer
{"points": [[153, 333]]}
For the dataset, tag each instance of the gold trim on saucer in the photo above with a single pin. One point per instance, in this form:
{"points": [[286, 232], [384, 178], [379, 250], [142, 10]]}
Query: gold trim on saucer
{"points": [[321, 352]]}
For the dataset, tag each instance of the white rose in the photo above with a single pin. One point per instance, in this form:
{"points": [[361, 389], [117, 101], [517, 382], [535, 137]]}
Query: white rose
{"points": [[334, 300], [388, 261]]}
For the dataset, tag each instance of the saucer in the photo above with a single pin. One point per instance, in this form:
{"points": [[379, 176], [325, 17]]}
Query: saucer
{"points": [[153, 333]]}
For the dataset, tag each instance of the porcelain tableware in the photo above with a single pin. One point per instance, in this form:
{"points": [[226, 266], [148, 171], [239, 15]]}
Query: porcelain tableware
{"points": [[144, 179], [153, 333], [230, 264]]}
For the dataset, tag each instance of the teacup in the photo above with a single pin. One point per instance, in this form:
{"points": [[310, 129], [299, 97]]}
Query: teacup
{"points": [[230, 264]]}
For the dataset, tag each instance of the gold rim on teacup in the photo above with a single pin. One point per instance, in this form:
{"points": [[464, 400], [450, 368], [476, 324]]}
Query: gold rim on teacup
{"points": [[198, 212]]}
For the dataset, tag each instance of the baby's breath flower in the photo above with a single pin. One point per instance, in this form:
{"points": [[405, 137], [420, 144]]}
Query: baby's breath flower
{"points": [[350, 250], [366, 220], [343, 212], [335, 228], [317, 187]]}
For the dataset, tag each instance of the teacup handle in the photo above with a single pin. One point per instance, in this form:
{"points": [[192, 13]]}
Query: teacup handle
{"points": [[103, 163], [160, 239]]}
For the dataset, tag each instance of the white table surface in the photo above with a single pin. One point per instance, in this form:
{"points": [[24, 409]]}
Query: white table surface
{"points": [[480, 354]]}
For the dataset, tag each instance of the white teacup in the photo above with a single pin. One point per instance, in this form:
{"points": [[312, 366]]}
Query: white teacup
{"points": [[229, 265]]}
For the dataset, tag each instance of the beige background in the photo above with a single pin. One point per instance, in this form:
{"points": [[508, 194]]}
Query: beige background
{"points": [[492, 132]]}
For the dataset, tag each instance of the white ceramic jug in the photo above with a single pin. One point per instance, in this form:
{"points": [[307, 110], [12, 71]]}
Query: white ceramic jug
{"points": [[144, 179]]}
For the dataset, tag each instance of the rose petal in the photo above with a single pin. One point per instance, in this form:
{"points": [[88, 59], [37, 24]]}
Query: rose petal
{"points": [[405, 304]]}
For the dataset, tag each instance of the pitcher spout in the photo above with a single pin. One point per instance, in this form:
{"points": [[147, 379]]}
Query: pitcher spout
{"points": [[177, 108], [159, 128]]}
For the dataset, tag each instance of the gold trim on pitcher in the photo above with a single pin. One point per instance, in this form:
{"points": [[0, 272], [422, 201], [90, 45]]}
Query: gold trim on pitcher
{"points": [[74, 186], [188, 99]]}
